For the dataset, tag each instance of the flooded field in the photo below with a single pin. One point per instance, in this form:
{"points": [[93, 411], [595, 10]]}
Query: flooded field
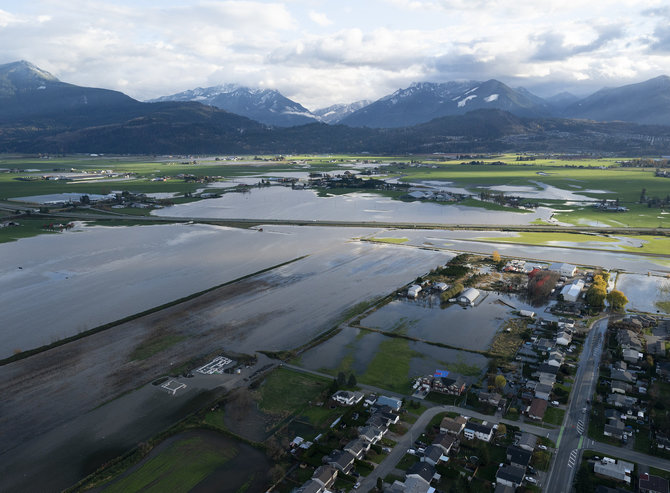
{"points": [[284, 203], [354, 350], [469, 328], [205, 460], [644, 292]]}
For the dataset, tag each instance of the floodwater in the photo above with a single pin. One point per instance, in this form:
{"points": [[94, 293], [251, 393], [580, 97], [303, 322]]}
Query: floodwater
{"points": [[358, 347], [102, 274], [469, 328], [460, 240], [285, 203], [644, 291], [61, 197]]}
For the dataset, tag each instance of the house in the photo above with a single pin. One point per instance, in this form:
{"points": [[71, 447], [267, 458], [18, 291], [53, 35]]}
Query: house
{"points": [[446, 442], [469, 296], [410, 485], [341, 460], [413, 291], [547, 373], [662, 441], [312, 486], [357, 447], [628, 339], [453, 426], [648, 483], [615, 469], [391, 402], [347, 398], [518, 457], [537, 409], [620, 366], [623, 376], [325, 475], [620, 387], [527, 313], [510, 476], [527, 441], [478, 431], [434, 455], [440, 286], [571, 292], [370, 400], [543, 391], [631, 355], [490, 398], [621, 401], [614, 428], [544, 344], [448, 385], [556, 358], [566, 270], [421, 470], [371, 434], [563, 338]]}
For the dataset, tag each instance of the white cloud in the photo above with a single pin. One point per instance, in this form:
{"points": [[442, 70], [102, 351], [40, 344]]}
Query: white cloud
{"points": [[320, 18], [369, 50]]}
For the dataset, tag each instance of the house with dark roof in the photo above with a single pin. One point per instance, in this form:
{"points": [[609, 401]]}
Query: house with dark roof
{"points": [[543, 391], [371, 434], [326, 475], [518, 457], [614, 428], [434, 455], [446, 442], [312, 486], [340, 460], [421, 470], [537, 409], [453, 426], [663, 369], [357, 447], [623, 376], [347, 398], [478, 431], [527, 441], [511, 476], [648, 483]]}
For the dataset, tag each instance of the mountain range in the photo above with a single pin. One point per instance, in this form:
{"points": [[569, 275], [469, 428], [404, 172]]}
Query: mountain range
{"points": [[39, 113]]}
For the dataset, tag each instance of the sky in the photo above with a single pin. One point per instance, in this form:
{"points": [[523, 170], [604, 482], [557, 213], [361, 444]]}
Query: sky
{"points": [[320, 52]]}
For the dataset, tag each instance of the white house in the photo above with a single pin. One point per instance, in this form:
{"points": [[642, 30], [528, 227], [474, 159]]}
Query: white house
{"points": [[527, 313], [441, 286], [480, 432], [571, 292], [617, 469], [566, 270], [563, 338], [347, 398], [469, 296], [413, 291]]}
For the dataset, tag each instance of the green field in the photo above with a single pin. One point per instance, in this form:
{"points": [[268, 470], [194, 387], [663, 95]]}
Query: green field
{"points": [[179, 467], [285, 392], [596, 179]]}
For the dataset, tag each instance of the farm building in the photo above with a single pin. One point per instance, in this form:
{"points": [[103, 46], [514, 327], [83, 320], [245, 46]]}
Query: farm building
{"points": [[571, 292], [413, 291], [567, 270], [469, 296]]}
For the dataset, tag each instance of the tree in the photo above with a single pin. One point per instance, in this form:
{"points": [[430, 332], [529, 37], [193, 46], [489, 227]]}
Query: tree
{"points": [[500, 382], [495, 256], [341, 379], [502, 430], [352, 381], [380, 484], [617, 300], [596, 294]]}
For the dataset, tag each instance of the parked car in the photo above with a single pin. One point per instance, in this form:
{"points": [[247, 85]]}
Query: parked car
{"points": [[542, 447], [531, 480]]}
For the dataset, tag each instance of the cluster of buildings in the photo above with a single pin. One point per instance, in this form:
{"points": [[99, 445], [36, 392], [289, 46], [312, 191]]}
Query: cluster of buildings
{"points": [[383, 414], [441, 382]]}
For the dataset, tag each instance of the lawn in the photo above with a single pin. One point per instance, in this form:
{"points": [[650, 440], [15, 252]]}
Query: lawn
{"points": [[389, 368], [154, 345], [285, 392], [25, 229], [554, 416], [395, 241], [179, 467]]}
